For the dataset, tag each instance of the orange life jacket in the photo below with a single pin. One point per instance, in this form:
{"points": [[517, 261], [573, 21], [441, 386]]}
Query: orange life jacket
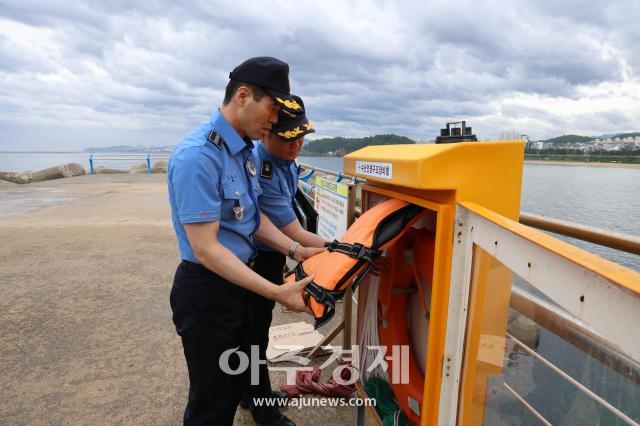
{"points": [[347, 262]]}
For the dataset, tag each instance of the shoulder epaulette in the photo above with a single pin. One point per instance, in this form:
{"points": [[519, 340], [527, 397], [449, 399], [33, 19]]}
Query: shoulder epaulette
{"points": [[215, 138], [266, 171]]}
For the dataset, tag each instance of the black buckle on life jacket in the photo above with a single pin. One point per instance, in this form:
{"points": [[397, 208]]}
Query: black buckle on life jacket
{"points": [[327, 297], [355, 250], [322, 295]]}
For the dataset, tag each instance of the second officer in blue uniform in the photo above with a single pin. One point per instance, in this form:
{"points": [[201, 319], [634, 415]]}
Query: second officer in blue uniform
{"points": [[278, 173]]}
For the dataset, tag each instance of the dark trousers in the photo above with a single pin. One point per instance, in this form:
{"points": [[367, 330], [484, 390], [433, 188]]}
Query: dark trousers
{"points": [[211, 315], [270, 266]]}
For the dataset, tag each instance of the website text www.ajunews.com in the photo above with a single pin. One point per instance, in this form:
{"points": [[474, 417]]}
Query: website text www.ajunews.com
{"points": [[315, 402]]}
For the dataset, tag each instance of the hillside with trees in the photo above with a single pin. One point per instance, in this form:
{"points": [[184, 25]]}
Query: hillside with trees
{"points": [[569, 139], [340, 146]]}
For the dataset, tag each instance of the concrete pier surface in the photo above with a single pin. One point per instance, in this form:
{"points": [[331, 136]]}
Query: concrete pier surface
{"points": [[86, 266]]}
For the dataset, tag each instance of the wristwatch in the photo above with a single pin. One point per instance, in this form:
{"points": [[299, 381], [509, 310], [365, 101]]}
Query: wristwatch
{"points": [[292, 249]]}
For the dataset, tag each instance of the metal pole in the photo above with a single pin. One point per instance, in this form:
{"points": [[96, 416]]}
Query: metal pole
{"points": [[628, 243], [528, 406], [347, 314]]}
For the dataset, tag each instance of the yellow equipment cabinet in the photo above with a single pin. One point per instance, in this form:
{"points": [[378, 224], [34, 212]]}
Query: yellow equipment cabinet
{"points": [[437, 177]]}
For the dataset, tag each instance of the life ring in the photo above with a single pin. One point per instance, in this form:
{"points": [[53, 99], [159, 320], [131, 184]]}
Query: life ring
{"points": [[398, 280]]}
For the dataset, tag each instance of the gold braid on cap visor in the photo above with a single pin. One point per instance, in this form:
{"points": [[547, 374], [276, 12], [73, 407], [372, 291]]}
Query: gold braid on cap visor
{"points": [[289, 103], [290, 133]]}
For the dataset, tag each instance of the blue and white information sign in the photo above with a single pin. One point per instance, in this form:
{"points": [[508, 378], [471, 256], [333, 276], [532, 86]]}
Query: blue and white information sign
{"points": [[335, 204]]}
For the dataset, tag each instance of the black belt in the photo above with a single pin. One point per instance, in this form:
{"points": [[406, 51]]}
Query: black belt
{"points": [[187, 264]]}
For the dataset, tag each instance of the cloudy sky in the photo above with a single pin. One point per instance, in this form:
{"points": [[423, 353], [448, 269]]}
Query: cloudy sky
{"points": [[80, 74]]}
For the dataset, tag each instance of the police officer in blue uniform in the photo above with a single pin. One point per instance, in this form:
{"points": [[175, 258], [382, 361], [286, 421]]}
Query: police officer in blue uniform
{"points": [[213, 191], [278, 170]]}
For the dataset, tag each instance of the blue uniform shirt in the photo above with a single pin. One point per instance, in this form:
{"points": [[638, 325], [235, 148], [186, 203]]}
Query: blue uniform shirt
{"points": [[208, 177], [279, 182]]}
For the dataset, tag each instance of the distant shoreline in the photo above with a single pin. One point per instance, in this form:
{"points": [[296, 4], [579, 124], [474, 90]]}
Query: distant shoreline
{"points": [[584, 163], [548, 162], [527, 161]]}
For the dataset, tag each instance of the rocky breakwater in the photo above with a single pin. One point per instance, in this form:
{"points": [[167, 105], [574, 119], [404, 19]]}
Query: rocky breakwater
{"points": [[160, 167], [57, 172], [73, 169]]}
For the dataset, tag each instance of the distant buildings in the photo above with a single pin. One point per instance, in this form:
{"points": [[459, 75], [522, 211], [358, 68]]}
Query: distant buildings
{"points": [[629, 143], [541, 145], [616, 144]]}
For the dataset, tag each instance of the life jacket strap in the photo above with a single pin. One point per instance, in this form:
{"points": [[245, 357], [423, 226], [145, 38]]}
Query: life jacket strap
{"points": [[360, 277], [322, 295], [355, 251]]}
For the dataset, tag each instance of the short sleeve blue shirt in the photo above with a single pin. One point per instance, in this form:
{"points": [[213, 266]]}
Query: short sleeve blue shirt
{"points": [[215, 179], [279, 182]]}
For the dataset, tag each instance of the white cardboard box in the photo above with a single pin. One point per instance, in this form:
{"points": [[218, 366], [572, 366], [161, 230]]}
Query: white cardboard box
{"points": [[297, 336]]}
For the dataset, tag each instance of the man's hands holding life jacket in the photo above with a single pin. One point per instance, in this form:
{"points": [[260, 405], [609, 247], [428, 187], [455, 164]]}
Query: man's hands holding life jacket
{"points": [[290, 295], [303, 253]]}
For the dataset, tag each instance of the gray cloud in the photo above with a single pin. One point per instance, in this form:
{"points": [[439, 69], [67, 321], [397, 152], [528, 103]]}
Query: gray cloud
{"points": [[363, 67]]}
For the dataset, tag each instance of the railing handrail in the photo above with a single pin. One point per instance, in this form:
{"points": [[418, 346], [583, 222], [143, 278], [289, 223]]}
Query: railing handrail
{"points": [[616, 240], [126, 156], [332, 172]]}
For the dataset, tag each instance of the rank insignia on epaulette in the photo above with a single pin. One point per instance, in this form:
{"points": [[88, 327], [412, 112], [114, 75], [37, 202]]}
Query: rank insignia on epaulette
{"points": [[267, 169], [215, 139]]}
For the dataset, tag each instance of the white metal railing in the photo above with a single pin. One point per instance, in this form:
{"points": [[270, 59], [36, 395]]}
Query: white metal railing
{"points": [[528, 406], [603, 295], [574, 382]]}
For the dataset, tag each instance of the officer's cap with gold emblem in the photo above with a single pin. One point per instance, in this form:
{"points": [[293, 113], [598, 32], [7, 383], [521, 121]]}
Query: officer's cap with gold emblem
{"points": [[292, 126], [272, 76]]}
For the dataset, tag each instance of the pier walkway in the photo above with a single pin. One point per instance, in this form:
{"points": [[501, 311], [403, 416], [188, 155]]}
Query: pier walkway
{"points": [[86, 266]]}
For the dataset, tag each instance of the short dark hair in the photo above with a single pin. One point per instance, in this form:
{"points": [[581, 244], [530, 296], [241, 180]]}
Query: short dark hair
{"points": [[233, 86]]}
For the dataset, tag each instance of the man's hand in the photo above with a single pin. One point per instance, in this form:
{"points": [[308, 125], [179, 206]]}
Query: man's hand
{"points": [[303, 253], [290, 295]]}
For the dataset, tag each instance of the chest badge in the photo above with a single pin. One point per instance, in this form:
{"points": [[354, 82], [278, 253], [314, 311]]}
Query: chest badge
{"points": [[251, 168]]}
